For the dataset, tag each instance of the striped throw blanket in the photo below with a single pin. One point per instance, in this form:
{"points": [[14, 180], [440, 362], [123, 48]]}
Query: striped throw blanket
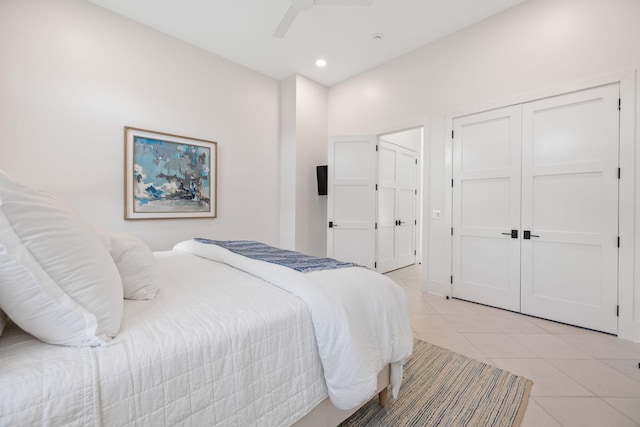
{"points": [[291, 259]]}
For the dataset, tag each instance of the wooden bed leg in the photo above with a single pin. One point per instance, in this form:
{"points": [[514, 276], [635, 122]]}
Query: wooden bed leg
{"points": [[383, 397]]}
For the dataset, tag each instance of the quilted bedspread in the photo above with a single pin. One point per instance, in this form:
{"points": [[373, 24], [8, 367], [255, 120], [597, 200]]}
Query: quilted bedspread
{"points": [[216, 347], [360, 317]]}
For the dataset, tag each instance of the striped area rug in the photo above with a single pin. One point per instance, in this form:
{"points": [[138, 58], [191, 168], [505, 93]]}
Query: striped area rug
{"points": [[443, 388]]}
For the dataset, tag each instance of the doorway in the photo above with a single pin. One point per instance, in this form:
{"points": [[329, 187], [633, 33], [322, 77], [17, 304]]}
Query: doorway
{"points": [[374, 203], [397, 204]]}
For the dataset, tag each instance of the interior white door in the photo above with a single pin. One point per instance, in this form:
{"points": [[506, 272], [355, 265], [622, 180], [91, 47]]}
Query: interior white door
{"points": [[406, 207], [396, 207], [351, 199], [386, 206], [486, 208], [570, 208]]}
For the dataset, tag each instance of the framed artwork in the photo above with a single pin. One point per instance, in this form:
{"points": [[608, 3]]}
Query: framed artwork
{"points": [[169, 176]]}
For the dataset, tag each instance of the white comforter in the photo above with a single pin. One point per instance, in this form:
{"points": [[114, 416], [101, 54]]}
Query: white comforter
{"points": [[360, 318], [216, 347]]}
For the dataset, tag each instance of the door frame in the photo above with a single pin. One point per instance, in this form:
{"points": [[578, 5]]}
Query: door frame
{"points": [[628, 324]]}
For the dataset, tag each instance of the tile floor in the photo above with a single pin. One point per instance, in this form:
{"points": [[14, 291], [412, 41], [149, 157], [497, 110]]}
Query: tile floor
{"points": [[581, 377]]}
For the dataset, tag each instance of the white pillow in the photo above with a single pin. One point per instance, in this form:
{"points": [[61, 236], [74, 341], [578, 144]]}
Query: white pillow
{"points": [[3, 321], [63, 254], [43, 309], [136, 263]]}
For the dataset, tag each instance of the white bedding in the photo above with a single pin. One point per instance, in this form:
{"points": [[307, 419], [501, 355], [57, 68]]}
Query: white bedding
{"points": [[360, 318], [216, 346]]}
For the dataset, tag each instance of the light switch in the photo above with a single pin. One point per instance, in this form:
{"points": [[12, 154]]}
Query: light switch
{"points": [[436, 214]]}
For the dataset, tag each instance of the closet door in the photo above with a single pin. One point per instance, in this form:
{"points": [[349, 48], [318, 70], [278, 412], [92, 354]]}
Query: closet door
{"points": [[570, 208], [486, 208]]}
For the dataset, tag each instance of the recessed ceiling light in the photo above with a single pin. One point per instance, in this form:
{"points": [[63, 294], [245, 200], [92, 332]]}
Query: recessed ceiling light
{"points": [[321, 63]]}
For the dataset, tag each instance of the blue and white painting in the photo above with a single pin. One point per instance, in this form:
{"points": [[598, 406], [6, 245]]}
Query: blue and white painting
{"points": [[170, 177]]}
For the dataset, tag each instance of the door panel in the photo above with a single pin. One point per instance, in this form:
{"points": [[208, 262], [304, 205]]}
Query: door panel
{"points": [[480, 262], [351, 199], [486, 207], [405, 231], [485, 202], [570, 205], [386, 244]]}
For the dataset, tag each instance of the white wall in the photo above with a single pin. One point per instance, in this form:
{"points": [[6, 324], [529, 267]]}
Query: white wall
{"points": [[303, 130], [312, 135], [73, 75], [534, 46], [411, 139], [288, 169]]}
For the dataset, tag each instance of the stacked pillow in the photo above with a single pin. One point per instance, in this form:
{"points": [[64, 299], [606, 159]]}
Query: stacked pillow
{"points": [[136, 263], [43, 309], [57, 279]]}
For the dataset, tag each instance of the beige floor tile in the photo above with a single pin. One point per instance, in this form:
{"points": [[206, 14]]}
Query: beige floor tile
{"points": [[499, 346], [417, 305], [559, 328], [598, 377], [485, 309], [600, 346], [449, 306], [633, 346], [628, 406], [413, 294], [434, 298], [512, 322], [629, 367], [469, 323], [454, 342], [422, 322], [547, 379], [549, 346], [583, 412], [535, 416]]}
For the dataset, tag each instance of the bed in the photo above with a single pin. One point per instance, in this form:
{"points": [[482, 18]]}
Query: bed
{"points": [[218, 342]]}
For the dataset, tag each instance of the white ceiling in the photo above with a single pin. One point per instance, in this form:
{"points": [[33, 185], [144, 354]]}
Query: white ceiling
{"points": [[241, 30]]}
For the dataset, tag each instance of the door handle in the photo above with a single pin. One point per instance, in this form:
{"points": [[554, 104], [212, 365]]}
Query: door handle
{"points": [[401, 222], [527, 235], [332, 225], [513, 234]]}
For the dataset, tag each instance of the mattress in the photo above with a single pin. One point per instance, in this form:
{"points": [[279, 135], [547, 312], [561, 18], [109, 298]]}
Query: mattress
{"points": [[216, 346]]}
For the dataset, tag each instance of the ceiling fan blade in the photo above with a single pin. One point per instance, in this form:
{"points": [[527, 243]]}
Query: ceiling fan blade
{"points": [[344, 2], [287, 20]]}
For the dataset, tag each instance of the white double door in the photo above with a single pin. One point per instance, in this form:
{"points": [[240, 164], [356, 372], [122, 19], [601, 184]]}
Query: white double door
{"points": [[535, 208], [396, 206]]}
